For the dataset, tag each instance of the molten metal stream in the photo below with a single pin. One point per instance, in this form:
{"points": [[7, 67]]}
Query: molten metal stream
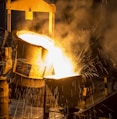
{"points": [[63, 67]]}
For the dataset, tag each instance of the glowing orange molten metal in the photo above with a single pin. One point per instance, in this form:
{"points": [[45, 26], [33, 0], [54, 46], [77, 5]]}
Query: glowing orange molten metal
{"points": [[62, 65]]}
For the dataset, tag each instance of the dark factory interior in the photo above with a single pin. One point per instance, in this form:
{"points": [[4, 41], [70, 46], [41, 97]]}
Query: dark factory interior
{"points": [[58, 59]]}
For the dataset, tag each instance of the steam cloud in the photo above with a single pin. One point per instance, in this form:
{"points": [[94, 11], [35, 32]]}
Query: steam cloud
{"points": [[84, 19], [73, 30], [110, 36]]}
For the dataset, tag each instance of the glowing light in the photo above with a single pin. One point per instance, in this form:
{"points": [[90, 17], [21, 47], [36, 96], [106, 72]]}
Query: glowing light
{"points": [[35, 39], [62, 65]]}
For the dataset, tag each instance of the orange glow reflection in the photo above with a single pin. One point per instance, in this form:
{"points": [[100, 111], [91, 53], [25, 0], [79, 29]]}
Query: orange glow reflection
{"points": [[62, 65]]}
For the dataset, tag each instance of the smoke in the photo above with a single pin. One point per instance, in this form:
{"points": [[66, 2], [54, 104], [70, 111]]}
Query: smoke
{"points": [[83, 24], [110, 35], [73, 26], [39, 23]]}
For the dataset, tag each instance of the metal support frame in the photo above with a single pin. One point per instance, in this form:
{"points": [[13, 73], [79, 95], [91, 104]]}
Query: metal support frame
{"points": [[29, 8]]}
